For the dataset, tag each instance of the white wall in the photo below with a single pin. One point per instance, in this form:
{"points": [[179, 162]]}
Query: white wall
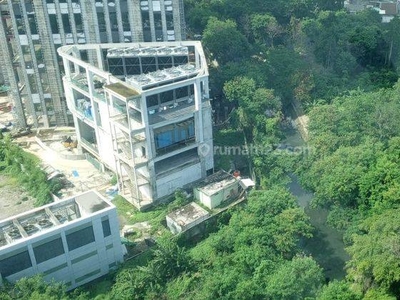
{"points": [[71, 271], [105, 148], [167, 185]]}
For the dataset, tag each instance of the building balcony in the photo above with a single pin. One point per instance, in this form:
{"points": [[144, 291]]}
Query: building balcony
{"points": [[138, 138], [86, 113], [121, 121], [135, 103], [127, 158], [90, 146], [99, 95], [183, 144], [171, 164], [80, 82], [171, 111]]}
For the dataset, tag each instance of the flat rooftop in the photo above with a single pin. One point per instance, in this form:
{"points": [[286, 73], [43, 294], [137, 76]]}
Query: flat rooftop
{"points": [[188, 214], [216, 182], [147, 51], [56, 214], [165, 75]]}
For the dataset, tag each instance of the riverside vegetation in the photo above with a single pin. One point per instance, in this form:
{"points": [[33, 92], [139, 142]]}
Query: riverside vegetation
{"points": [[342, 69]]}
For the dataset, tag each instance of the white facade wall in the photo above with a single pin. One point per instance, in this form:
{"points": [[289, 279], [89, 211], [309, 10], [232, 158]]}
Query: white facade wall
{"points": [[146, 170], [76, 266], [105, 147], [213, 200], [168, 184]]}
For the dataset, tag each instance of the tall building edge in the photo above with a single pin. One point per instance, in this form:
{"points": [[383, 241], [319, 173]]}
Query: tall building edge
{"points": [[35, 29]]}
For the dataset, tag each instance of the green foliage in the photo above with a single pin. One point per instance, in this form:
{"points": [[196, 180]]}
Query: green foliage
{"points": [[296, 279], [25, 168], [375, 253], [253, 105], [265, 28], [341, 218], [230, 263], [353, 49], [113, 180], [338, 290], [224, 41], [355, 170], [168, 261], [35, 288]]}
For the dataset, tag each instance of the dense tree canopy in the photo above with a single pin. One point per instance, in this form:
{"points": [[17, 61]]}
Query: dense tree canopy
{"points": [[247, 258], [264, 58]]}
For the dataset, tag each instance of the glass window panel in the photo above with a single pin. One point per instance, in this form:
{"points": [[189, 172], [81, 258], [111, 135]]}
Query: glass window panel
{"points": [[80, 238], [48, 250], [15, 263]]}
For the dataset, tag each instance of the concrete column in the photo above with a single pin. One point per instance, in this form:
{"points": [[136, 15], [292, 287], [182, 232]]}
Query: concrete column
{"points": [[135, 20]]}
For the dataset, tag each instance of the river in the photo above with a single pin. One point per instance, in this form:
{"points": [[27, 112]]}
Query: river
{"points": [[326, 246]]}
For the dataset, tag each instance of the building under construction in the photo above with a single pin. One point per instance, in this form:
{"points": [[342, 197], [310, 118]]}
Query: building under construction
{"points": [[143, 111], [34, 29]]}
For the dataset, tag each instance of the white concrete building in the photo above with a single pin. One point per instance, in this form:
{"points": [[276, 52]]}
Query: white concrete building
{"points": [[216, 189], [186, 217], [74, 240], [143, 111]]}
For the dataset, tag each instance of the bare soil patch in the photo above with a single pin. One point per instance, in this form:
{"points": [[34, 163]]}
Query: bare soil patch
{"points": [[13, 199]]}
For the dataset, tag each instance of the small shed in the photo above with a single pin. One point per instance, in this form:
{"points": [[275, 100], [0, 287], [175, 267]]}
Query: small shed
{"points": [[246, 183], [186, 217], [216, 189]]}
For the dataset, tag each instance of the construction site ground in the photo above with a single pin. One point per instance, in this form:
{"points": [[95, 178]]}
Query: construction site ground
{"points": [[80, 175]]}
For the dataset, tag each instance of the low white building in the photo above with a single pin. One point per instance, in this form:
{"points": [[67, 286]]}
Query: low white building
{"points": [[72, 241], [216, 189], [220, 187], [186, 217]]}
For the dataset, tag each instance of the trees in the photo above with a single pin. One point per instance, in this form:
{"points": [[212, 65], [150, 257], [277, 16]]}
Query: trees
{"points": [[375, 252], [235, 262], [254, 106], [168, 262], [265, 28], [353, 50], [338, 290], [298, 278], [35, 288], [224, 41]]}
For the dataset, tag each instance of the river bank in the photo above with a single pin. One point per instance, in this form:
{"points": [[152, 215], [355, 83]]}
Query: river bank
{"points": [[326, 246]]}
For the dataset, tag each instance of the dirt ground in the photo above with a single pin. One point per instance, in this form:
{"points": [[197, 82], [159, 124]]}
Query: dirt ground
{"points": [[80, 174], [13, 199]]}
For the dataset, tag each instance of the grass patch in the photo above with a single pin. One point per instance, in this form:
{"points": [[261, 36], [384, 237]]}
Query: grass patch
{"points": [[155, 216], [8, 181]]}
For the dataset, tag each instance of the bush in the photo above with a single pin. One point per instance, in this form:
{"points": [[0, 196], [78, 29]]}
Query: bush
{"points": [[25, 168]]}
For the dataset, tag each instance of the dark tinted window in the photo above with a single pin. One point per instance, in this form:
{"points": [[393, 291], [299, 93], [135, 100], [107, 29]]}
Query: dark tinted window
{"points": [[80, 238], [48, 250], [106, 228], [15, 263]]}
